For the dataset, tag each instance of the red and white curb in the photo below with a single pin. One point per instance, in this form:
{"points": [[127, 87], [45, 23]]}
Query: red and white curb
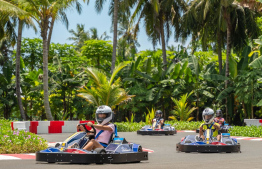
{"points": [[186, 131], [248, 138], [17, 156], [148, 150]]}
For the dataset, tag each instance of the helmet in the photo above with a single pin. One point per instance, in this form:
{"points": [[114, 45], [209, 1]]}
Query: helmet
{"points": [[219, 113], [158, 114], [208, 115], [104, 110]]}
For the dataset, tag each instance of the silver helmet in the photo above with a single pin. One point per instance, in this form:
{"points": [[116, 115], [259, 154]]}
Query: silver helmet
{"points": [[208, 115], [104, 110]]}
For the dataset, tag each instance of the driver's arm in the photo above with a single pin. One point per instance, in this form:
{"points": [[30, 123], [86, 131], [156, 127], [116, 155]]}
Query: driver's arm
{"points": [[217, 127], [100, 127]]}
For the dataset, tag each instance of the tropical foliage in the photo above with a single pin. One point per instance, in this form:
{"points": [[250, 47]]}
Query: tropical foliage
{"points": [[220, 68], [104, 90], [181, 110], [15, 142]]}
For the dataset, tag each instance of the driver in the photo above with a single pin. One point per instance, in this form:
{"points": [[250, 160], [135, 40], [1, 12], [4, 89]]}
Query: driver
{"points": [[208, 117], [158, 119], [104, 129], [219, 118]]}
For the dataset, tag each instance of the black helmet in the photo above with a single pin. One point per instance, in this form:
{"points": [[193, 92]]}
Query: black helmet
{"points": [[158, 114], [104, 110], [219, 113]]}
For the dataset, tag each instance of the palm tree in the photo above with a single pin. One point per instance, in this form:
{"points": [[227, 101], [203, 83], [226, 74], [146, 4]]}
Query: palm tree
{"points": [[79, 36], [104, 90], [216, 17], [127, 45], [116, 7], [10, 9], [45, 13], [158, 17], [94, 35]]}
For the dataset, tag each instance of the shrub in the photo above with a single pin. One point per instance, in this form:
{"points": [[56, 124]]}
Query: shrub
{"points": [[13, 142], [179, 125], [248, 131]]}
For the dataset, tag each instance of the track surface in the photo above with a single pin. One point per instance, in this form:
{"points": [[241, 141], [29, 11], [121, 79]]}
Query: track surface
{"points": [[164, 155]]}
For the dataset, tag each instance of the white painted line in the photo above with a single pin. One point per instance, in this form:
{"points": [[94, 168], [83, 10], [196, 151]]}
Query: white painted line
{"points": [[257, 139], [32, 154], [3, 157]]}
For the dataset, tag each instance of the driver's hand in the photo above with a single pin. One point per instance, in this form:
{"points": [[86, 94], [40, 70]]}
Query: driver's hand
{"points": [[89, 124], [216, 126]]}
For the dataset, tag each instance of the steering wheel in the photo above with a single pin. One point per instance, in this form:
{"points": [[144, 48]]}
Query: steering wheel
{"points": [[88, 131]]}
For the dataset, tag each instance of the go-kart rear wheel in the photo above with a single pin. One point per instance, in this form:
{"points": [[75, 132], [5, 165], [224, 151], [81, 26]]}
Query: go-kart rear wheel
{"points": [[140, 149], [100, 150], [57, 145]]}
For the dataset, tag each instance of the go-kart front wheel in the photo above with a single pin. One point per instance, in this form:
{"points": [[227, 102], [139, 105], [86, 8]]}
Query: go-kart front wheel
{"points": [[100, 150]]}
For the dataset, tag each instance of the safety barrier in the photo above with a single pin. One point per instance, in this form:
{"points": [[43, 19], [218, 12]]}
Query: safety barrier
{"points": [[44, 127], [253, 122]]}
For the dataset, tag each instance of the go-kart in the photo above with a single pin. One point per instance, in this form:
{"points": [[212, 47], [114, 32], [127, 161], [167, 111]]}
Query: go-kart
{"points": [[71, 150], [223, 129], [167, 129], [192, 143]]}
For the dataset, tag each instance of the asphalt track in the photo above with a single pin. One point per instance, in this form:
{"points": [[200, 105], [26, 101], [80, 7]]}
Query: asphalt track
{"points": [[164, 156]]}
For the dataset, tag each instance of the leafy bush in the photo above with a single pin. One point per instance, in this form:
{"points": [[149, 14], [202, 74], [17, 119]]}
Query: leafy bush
{"points": [[179, 125], [248, 131], [184, 125], [129, 127], [13, 142]]}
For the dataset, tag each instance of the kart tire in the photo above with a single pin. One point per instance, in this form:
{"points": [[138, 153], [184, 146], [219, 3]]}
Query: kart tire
{"points": [[57, 145], [100, 150], [140, 149]]}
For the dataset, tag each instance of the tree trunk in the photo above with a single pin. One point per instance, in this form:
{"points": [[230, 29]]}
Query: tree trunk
{"points": [[50, 33], [162, 34], [115, 35], [98, 62], [44, 30], [197, 106], [64, 104], [17, 73], [229, 30], [219, 53]]}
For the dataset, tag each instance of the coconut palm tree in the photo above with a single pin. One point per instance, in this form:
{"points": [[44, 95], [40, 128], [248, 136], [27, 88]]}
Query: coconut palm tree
{"points": [[45, 13], [94, 35], [79, 36], [9, 13], [116, 7], [104, 90], [158, 17]]}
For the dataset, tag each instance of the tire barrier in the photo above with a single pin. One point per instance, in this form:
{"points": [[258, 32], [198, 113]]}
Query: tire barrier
{"points": [[45, 127]]}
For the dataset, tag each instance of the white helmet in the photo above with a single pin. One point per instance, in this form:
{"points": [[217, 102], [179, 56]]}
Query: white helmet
{"points": [[211, 115], [104, 110]]}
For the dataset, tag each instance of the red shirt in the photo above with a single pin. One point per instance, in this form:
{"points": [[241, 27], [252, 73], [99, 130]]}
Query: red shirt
{"points": [[219, 120]]}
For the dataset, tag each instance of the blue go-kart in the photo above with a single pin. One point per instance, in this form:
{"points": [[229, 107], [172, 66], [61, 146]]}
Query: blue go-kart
{"points": [[192, 143], [166, 129], [71, 151]]}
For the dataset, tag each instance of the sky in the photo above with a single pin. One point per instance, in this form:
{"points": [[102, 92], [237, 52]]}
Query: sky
{"points": [[90, 18]]}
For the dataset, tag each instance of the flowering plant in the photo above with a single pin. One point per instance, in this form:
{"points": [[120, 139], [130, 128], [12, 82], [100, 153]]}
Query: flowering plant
{"points": [[13, 142]]}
